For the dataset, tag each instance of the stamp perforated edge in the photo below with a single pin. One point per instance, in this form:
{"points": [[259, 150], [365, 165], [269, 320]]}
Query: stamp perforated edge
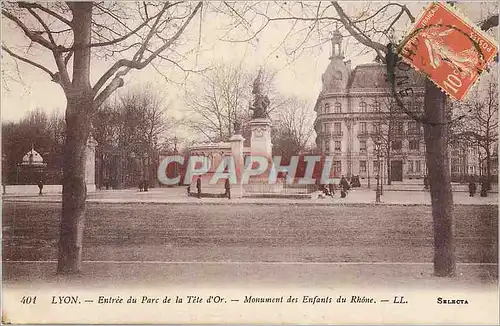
{"points": [[460, 15]]}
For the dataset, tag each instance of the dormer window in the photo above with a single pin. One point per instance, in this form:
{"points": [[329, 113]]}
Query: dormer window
{"points": [[327, 108], [376, 106], [362, 107], [338, 107]]}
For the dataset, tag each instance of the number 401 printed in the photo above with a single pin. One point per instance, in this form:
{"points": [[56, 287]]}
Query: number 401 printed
{"points": [[28, 300]]}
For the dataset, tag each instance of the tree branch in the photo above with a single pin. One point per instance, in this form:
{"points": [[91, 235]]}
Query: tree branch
{"points": [[38, 38], [358, 35], [63, 72], [113, 86], [136, 64], [126, 36], [46, 10], [37, 65]]}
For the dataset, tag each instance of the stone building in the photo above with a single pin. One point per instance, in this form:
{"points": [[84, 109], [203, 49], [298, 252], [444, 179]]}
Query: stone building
{"points": [[357, 121]]}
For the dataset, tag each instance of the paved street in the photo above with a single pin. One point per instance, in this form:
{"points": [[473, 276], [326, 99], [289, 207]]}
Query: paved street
{"points": [[205, 234], [178, 195]]}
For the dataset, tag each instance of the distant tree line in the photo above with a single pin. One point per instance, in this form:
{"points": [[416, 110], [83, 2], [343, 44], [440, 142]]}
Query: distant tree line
{"points": [[130, 130]]}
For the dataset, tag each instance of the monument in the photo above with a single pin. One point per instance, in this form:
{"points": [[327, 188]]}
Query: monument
{"points": [[260, 124]]}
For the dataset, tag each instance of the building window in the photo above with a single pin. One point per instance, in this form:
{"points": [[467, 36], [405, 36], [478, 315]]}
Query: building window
{"points": [[455, 165], [413, 127], [327, 108], [376, 127], [327, 146], [337, 128], [410, 166], [362, 107], [413, 144], [337, 167], [398, 128], [418, 167], [362, 146], [338, 75], [362, 166], [337, 145], [362, 128], [396, 145], [338, 107], [376, 106]]}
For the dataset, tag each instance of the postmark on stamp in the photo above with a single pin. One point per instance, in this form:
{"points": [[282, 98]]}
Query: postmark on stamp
{"points": [[447, 48]]}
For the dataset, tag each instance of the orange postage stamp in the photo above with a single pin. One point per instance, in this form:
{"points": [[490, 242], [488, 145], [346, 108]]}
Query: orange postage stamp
{"points": [[448, 49]]}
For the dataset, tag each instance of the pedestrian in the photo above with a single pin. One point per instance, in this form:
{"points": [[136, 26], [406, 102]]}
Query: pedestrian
{"points": [[40, 186], [331, 187], [145, 185], [141, 185], [198, 186], [426, 182], [188, 190], [227, 186], [472, 188], [344, 186], [326, 190], [484, 188]]}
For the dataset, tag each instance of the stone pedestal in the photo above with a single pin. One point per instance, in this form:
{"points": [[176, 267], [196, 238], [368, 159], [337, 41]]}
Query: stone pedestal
{"points": [[90, 164], [237, 153], [260, 143]]}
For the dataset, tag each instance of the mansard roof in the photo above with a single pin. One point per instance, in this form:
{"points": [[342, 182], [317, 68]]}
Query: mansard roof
{"points": [[373, 75]]}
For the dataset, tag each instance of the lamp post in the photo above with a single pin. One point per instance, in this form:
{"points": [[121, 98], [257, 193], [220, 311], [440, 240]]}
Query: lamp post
{"points": [[377, 191], [176, 166]]}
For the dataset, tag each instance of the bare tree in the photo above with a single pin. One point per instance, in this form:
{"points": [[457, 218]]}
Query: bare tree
{"points": [[144, 125], [74, 34], [223, 99], [220, 101], [479, 125], [293, 128]]}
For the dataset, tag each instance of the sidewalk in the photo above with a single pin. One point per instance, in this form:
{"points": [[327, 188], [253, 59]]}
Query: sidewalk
{"points": [[340, 274], [178, 196]]}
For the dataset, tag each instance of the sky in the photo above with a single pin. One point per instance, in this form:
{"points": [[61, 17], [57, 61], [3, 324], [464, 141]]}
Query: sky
{"points": [[300, 78]]}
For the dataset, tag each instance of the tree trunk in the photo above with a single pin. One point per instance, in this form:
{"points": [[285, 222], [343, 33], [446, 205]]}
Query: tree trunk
{"points": [[488, 167], [79, 104], [388, 163], [389, 140], [74, 192], [436, 136]]}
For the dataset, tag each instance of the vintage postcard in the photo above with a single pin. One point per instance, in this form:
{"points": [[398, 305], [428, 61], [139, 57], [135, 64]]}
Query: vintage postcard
{"points": [[250, 162]]}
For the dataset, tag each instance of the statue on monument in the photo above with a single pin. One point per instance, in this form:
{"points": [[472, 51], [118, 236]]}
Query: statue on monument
{"points": [[261, 102], [237, 127]]}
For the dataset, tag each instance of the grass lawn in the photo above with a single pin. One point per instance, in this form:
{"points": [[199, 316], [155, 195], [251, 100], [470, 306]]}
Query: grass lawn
{"points": [[251, 233]]}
